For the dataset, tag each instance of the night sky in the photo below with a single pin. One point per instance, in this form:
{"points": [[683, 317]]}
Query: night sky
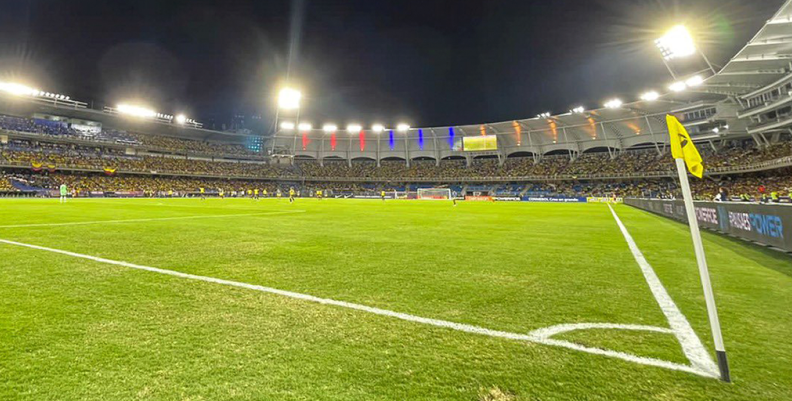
{"points": [[427, 62]]}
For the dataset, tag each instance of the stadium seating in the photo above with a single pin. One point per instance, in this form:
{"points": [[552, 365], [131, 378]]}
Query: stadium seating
{"points": [[183, 165]]}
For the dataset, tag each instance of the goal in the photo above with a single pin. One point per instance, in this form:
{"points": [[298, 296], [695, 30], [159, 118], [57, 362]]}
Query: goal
{"points": [[434, 193]]}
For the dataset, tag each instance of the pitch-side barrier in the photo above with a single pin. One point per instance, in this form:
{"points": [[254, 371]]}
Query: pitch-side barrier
{"points": [[766, 224]]}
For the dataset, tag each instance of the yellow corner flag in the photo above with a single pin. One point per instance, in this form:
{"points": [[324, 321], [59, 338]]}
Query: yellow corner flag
{"points": [[682, 146]]}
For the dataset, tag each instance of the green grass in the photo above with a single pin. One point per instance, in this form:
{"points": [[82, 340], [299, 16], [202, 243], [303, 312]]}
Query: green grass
{"points": [[77, 329]]}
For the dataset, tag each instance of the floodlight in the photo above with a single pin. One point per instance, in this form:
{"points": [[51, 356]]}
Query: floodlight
{"points": [[17, 89], [135, 111], [304, 126], [694, 81], [676, 43], [354, 128], [181, 119], [402, 127], [677, 86], [378, 128], [613, 103], [330, 128], [544, 115], [578, 110], [287, 125], [650, 96], [289, 99]]}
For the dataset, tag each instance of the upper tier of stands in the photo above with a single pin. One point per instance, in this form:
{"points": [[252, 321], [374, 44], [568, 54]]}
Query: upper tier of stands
{"points": [[57, 129]]}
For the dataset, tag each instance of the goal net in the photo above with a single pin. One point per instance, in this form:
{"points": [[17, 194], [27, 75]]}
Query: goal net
{"points": [[434, 193]]}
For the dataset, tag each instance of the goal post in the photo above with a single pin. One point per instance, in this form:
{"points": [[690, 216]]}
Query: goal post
{"points": [[434, 193]]}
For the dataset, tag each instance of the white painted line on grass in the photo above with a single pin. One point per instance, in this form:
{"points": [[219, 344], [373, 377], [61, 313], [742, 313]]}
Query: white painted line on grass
{"points": [[551, 331], [541, 336], [202, 216], [691, 344]]}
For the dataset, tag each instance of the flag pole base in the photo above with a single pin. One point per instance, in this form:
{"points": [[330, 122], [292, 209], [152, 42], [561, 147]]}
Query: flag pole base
{"points": [[723, 365]]}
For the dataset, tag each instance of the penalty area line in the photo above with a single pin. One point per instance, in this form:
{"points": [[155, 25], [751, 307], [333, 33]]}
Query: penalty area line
{"points": [[209, 216], [540, 336], [691, 344]]}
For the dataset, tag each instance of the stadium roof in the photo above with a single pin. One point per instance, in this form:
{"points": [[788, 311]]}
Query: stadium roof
{"points": [[763, 61]]}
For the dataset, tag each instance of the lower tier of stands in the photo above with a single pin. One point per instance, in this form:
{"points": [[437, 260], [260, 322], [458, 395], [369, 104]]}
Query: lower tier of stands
{"points": [[751, 185]]}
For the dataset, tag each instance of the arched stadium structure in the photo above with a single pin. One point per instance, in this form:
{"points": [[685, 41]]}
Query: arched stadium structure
{"points": [[749, 99]]}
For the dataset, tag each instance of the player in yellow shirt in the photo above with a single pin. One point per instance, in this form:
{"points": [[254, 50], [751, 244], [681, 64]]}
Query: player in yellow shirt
{"points": [[250, 192], [382, 195], [264, 192], [255, 194], [221, 192], [203, 193], [319, 194], [291, 195]]}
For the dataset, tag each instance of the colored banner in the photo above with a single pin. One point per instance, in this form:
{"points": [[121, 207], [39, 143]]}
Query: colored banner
{"points": [[479, 198]]}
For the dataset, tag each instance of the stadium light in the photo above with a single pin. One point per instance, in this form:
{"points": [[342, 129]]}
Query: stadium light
{"points": [[378, 128], [677, 86], [287, 125], [613, 104], [694, 81], [650, 96], [676, 43], [136, 111], [305, 126], [354, 128], [181, 119], [544, 115], [289, 99], [402, 127], [578, 110], [330, 128], [17, 89]]}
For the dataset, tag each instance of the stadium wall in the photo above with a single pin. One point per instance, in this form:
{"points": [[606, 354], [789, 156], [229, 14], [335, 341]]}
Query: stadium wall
{"points": [[761, 223]]}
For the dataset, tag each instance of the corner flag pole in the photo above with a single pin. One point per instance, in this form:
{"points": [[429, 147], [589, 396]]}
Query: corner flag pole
{"points": [[720, 350]]}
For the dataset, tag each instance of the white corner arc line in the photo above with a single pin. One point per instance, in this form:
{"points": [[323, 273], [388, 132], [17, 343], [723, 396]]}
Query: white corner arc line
{"points": [[203, 216], [384, 312], [547, 332], [691, 344]]}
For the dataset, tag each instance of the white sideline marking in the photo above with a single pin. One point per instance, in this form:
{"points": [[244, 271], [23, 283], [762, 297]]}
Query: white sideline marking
{"points": [[541, 336], [209, 216], [691, 344]]}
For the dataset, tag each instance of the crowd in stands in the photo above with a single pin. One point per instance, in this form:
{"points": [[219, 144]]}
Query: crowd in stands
{"points": [[750, 185], [182, 145], [593, 173], [64, 156], [5, 184], [64, 130]]}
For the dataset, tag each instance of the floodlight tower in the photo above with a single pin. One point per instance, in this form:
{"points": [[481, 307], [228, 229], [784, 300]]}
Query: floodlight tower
{"points": [[677, 43]]}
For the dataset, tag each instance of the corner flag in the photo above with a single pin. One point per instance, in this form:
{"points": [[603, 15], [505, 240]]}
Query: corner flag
{"points": [[685, 153], [682, 146]]}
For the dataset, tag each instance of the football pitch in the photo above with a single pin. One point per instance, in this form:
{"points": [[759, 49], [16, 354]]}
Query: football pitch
{"points": [[235, 299]]}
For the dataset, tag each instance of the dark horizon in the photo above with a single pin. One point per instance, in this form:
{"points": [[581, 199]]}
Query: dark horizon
{"points": [[430, 63]]}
